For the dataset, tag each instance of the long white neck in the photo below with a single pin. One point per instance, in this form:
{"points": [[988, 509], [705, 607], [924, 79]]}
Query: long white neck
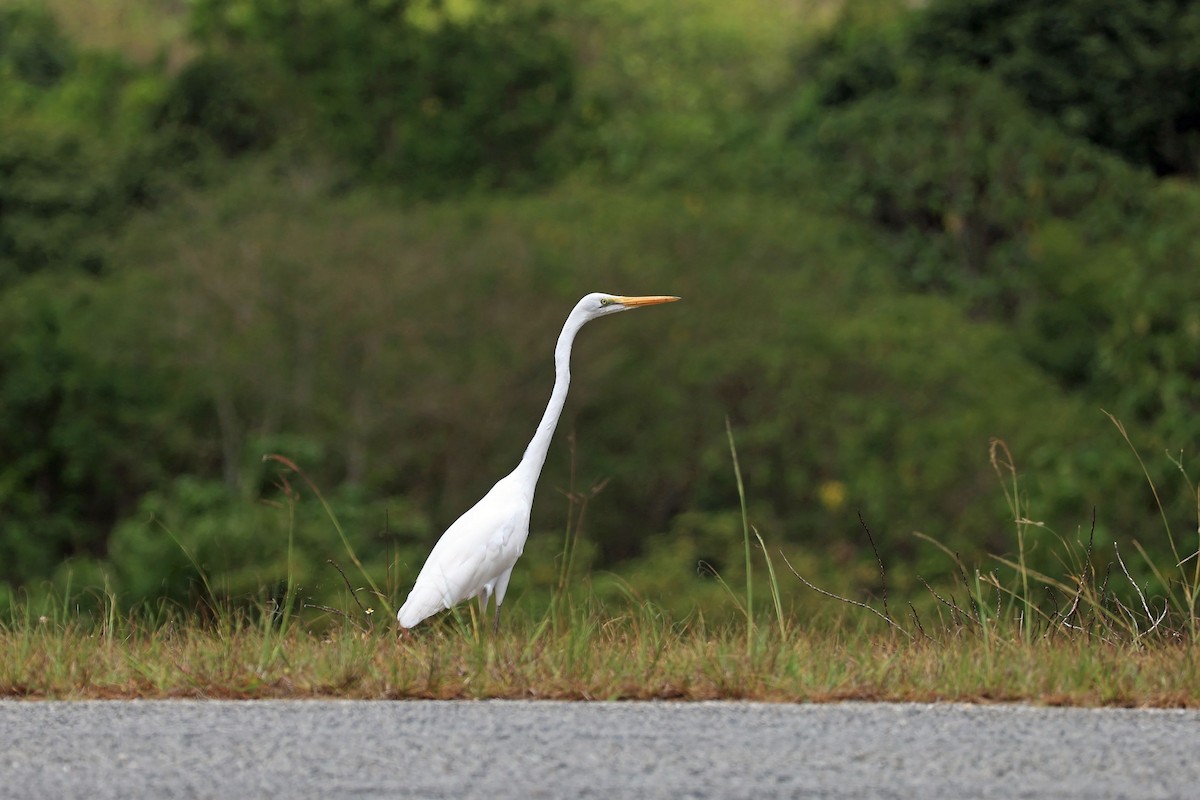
{"points": [[535, 454]]}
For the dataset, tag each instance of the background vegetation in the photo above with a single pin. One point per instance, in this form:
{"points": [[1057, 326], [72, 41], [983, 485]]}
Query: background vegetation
{"points": [[348, 232]]}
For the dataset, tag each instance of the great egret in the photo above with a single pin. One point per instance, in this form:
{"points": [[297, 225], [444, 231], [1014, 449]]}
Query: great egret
{"points": [[475, 556]]}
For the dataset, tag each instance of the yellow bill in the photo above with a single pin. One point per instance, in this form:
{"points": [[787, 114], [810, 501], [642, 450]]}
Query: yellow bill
{"points": [[648, 300]]}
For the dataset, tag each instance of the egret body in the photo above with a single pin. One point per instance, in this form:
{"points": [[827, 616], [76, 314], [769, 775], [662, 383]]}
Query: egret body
{"points": [[475, 556]]}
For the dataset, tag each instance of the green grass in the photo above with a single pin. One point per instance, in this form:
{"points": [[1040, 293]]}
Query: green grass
{"points": [[635, 655]]}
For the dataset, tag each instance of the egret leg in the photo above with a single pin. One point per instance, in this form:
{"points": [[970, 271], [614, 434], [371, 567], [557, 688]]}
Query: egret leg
{"points": [[501, 589]]}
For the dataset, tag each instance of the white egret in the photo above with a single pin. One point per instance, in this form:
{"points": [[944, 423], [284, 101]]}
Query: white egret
{"points": [[475, 556]]}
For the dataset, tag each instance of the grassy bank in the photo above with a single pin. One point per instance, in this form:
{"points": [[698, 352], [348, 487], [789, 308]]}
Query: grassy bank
{"points": [[634, 656], [1088, 634]]}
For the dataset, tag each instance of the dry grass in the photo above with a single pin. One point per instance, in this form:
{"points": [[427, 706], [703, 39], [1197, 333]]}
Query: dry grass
{"points": [[637, 656]]}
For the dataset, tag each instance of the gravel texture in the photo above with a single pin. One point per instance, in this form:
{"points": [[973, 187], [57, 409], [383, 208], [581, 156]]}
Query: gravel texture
{"points": [[505, 749]]}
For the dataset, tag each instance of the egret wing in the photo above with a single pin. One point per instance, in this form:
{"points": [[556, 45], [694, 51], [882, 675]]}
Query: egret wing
{"points": [[472, 554]]}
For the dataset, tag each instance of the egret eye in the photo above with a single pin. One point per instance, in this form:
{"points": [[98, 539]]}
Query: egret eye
{"points": [[607, 301]]}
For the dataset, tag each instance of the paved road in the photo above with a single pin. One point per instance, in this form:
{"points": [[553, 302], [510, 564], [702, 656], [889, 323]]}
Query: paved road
{"points": [[496, 750]]}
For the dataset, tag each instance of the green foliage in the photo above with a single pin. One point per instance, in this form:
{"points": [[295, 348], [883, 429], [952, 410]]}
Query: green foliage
{"points": [[52, 200], [888, 254], [962, 174], [683, 94], [1126, 328], [197, 541], [57, 182], [32, 49], [79, 439], [434, 107], [77, 148], [1123, 75], [216, 103], [861, 52], [927, 125]]}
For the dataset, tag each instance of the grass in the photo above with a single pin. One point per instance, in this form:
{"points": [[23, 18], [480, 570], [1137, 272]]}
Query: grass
{"points": [[636, 655], [1073, 639]]}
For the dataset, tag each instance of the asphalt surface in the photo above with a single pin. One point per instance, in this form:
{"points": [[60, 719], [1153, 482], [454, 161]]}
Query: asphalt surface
{"points": [[496, 750]]}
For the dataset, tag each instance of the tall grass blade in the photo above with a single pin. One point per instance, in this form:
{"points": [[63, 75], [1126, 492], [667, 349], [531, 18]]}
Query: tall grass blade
{"points": [[737, 472], [337, 525], [774, 588]]}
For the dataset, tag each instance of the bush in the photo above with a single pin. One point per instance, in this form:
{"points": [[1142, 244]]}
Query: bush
{"points": [[1121, 318], [962, 175], [1124, 75], [195, 540], [75, 152], [76, 429], [436, 107], [57, 192], [862, 52], [32, 48], [216, 104], [930, 129]]}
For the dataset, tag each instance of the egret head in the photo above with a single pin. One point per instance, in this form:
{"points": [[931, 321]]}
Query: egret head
{"points": [[599, 304]]}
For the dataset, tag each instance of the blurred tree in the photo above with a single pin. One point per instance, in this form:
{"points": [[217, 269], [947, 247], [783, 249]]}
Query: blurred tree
{"points": [[433, 103], [76, 447], [217, 103], [1125, 75], [962, 174], [77, 148], [32, 48]]}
